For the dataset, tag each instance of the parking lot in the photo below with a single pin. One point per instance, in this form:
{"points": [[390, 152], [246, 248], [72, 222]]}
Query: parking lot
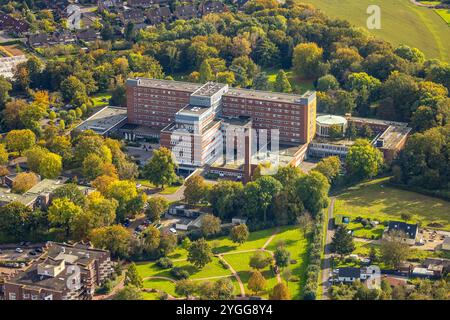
{"points": [[19, 253]]}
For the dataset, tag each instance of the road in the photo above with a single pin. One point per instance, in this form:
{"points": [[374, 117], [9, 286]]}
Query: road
{"points": [[326, 265]]}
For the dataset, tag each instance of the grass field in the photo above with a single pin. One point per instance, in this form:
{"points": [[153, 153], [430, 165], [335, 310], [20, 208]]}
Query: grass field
{"points": [[376, 201], [101, 99], [290, 236], [401, 23], [444, 14], [167, 190], [298, 86]]}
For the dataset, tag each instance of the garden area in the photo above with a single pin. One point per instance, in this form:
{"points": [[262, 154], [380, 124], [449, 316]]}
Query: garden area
{"points": [[238, 256], [374, 201]]}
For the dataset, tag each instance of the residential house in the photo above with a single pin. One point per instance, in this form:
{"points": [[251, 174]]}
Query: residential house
{"points": [[110, 5], [45, 39], [159, 15], [408, 232], [446, 244], [64, 272], [185, 12], [134, 15], [142, 3], [9, 23], [438, 266], [212, 7], [88, 35], [348, 274]]}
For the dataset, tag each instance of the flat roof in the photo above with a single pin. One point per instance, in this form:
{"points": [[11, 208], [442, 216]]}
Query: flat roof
{"points": [[45, 186], [193, 110], [393, 136], [104, 120], [330, 119], [209, 89], [164, 84], [270, 96]]}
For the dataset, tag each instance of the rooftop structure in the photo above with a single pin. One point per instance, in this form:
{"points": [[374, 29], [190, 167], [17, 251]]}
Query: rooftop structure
{"points": [[104, 120], [272, 96], [331, 120], [163, 84]]}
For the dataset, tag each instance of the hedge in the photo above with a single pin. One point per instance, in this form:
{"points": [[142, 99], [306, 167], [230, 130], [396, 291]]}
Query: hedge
{"points": [[314, 258]]}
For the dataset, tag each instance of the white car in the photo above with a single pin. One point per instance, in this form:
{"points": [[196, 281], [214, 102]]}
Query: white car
{"points": [[173, 230], [18, 250]]}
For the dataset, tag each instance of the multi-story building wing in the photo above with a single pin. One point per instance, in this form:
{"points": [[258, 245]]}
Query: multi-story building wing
{"points": [[63, 272]]}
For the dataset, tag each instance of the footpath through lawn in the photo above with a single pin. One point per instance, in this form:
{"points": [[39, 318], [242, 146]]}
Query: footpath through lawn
{"points": [[238, 257]]}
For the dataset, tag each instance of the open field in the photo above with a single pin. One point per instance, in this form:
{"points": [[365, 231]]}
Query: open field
{"points": [[298, 86], [376, 201], [401, 23], [444, 14], [238, 257]]}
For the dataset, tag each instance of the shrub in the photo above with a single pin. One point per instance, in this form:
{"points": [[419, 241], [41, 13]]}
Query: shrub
{"points": [[179, 273], [164, 263]]}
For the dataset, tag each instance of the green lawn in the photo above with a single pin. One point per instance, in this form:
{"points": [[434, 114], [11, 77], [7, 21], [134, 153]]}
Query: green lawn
{"points": [[293, 240], [298, 86], [240, 262], [401, 23], [165, 191], [98, 99], [297, 245], [444, 14], [376, 201]]}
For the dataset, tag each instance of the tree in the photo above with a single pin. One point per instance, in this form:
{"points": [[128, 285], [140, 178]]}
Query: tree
{"points": [[258, 195], [3, 155], [282, 82], [286, 274], [342, 242], [167, 243], [130, 201], [160, 170], [305, 222], [196, 190], [50, 166], [12, 111], [152, 238], [223, 289], [199, 253], [92, 166], [239, 234], [364, 160], [129, 293], [206, 73], [306, 60], [257, 282], [393, 250], [63, 213], [132, 277], [74, 91], [406, 216], [327, 82], [259, 260], [225, 198], [210, 225], [20, 140], [282, 257], [156, 207], [313, 189], [5, 88], [24, 181], [72, 192], [280, 292], [101, 210], [330, 167], [373, 254], [261, 82], [115, 238], [185, 288]]}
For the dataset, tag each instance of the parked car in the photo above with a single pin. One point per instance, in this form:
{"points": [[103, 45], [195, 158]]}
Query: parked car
{"points": [[39, 250], [32, 253], [173, 230], [18, 250]]}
